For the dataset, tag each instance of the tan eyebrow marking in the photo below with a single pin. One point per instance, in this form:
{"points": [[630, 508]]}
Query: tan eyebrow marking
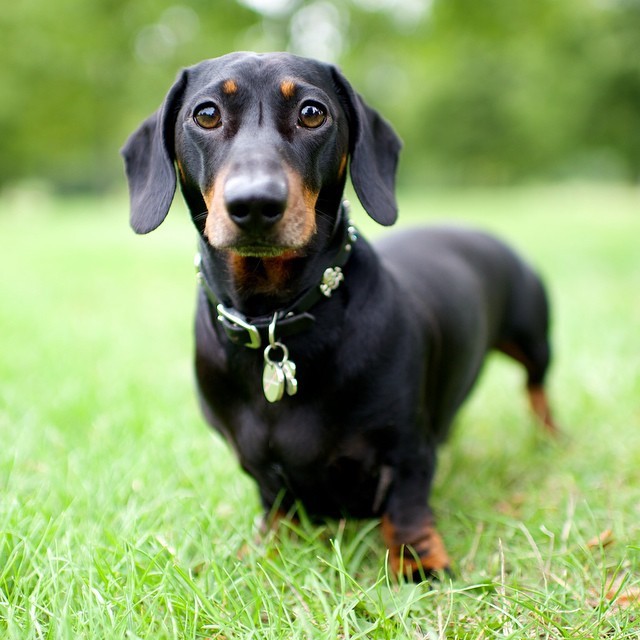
{"points": [[288, 88], [229, 87]]}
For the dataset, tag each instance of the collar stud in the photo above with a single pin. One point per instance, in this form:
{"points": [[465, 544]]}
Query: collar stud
{"points": [[331, 280]]}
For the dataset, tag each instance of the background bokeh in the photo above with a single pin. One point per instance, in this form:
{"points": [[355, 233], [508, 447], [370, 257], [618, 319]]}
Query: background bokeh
{"points": [[483, 93]]}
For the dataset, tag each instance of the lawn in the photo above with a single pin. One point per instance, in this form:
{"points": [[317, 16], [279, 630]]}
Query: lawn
{"points": [[122, 516]]}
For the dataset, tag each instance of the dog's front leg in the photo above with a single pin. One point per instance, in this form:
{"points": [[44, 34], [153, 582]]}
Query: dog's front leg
{"points": [[416, 549]]}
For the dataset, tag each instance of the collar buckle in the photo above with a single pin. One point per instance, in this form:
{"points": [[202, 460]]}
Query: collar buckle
{"points": [[239, 321]]}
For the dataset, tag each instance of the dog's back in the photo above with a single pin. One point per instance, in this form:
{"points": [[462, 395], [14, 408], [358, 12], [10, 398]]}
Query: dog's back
{"points": [[474, 294]]}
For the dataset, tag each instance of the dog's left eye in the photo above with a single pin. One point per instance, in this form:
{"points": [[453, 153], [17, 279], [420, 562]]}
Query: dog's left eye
{"points": [[207, 116], [312, 115]]}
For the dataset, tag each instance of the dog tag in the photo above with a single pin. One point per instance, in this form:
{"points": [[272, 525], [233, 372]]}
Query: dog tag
{"points": [[279, 374], [289, 370], [273, 381]]}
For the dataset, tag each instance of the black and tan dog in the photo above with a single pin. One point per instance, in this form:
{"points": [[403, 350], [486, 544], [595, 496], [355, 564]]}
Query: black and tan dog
{"points": [[334, 368]]}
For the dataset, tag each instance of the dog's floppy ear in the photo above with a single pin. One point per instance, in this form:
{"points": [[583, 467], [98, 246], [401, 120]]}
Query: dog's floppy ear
{"points": [[148, 158], [374, 148]]}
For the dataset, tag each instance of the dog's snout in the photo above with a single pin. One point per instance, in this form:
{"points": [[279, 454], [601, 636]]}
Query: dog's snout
{"points": [[254, 200]]}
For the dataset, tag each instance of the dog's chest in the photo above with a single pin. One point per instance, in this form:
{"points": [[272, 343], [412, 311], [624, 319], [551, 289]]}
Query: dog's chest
{"points": [[330, 467], [297, 438]]}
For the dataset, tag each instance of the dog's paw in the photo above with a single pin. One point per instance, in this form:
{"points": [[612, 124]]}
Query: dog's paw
{"points": [[271, 521], [416, 557]]}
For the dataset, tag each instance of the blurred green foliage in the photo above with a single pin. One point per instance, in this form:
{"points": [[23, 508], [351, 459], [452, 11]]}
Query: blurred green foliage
{"points": [[490, 92]]}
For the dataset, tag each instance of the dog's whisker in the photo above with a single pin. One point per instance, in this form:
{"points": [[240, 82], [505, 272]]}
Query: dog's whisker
{"points": [[199, 219]]}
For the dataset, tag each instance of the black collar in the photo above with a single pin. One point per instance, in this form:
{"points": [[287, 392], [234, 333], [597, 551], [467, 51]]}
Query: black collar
{"points": [[253, 332]]}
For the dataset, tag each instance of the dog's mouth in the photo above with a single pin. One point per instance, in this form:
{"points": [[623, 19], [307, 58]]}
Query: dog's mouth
{"points": [[259, 250]]}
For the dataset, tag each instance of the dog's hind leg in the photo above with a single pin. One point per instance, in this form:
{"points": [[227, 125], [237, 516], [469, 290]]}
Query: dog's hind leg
{"points": [[534, 355], [530, 347]]}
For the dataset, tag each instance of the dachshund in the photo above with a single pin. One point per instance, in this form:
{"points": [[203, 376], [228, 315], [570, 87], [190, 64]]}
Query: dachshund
{"points": [[332, 366]]}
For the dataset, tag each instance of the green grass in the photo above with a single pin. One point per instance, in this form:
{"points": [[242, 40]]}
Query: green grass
{"points": [[122, 516]]}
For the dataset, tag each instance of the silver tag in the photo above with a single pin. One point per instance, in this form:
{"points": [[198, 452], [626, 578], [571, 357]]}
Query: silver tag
{"points": [[273, 381], [279, 374], [289, 370]]}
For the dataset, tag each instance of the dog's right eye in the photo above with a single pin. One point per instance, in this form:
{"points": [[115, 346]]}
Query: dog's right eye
{"points": [[207, 116]]}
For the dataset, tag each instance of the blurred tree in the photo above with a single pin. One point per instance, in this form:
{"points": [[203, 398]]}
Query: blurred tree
{"points": [[77, 75], [483, 93]]}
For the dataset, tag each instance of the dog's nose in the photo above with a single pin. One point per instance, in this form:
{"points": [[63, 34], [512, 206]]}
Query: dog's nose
{"points": [[256, 201]]}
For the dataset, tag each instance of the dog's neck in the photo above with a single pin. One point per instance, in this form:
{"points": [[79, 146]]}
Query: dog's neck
{"points": [[252, 290]]}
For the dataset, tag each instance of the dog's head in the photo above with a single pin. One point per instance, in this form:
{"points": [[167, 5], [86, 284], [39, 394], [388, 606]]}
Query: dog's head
{"points": [[261, 144]]}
